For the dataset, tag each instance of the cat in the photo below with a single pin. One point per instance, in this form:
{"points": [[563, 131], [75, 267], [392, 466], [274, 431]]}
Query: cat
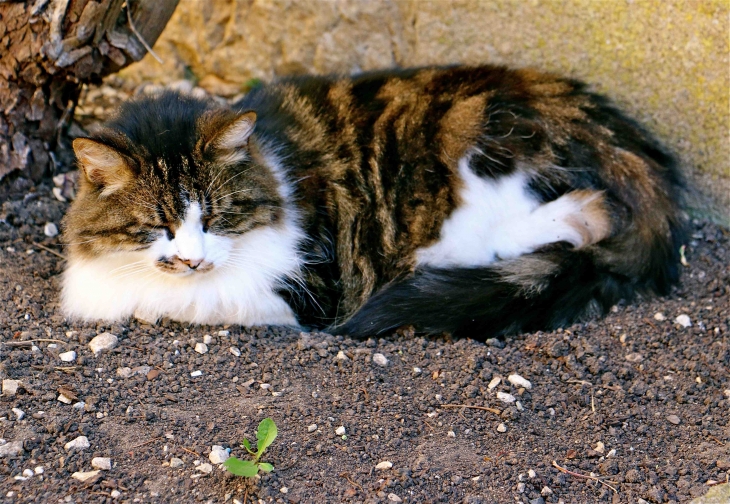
{"points": [[477, 201]]}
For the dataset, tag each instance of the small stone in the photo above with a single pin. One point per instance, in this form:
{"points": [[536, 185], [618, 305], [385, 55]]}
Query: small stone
{"points": [[11, 449], [505, 397], [634, 357], [600, 447], [394, 498], [235, 351], [223, 333], [340, 431], [28, 473], [417, 370], [10, 387], [501, 428], [103, 342], [124, 372], [67, 356], [531, 474], [384, 465], [341, 356], [103, 463], [39, 470], [50, 230], [380, 359], [683, 320], [495, 381], [115, 494], [521, 487], [65, 400], [207, 339], [451, 434], [674, 419], [312, 428], [519, 381], [19, 413], [201, 348], [87, 476], [611, 453], [659, 316], [218, 454], [80, 443], [176, 462], [284, 490], [546, 491], [205, 468], [58, 194], [195, 374]]}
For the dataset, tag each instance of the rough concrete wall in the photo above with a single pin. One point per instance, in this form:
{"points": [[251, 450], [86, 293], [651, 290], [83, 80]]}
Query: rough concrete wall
{"points": [[666, 61]]}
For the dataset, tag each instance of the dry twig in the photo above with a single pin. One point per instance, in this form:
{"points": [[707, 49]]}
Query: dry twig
{"points": [[139, 36], [47, 249], [483, 408], [578, 475]]}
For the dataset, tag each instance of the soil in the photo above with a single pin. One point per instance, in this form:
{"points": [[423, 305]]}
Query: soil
{"points": [[633, 406]]}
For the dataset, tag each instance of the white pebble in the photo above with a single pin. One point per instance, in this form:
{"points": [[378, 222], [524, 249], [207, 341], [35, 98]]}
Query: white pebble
{"points": [[176, 462], [546, 491], [312, 428], [50, 229], [10, 387], [451, 434], [417, 370], [495, 381], [69, 356], [341, 356], [207, 339], [28, 473], [380, 359], [201, 348], [683, 320], [382, 466], [103, 342], [19, 413], [611, 453], [39, 470], [235, 351], [103, 463], [205, 468], [519, 381], [223, 333], [501, 428], [80, 443], [284, 490], [600, 447], [195, 374], [340, 431], [521, 487], [65, 400], [115, 494], [659, 316], [531, 474], [218, 454], [85, 476], [11, 449], [124, 372], [394, 498], [505, 397]]}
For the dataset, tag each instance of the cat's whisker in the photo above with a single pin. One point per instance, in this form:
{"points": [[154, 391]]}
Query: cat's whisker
{"points": [[231, 194], [223, 184]]}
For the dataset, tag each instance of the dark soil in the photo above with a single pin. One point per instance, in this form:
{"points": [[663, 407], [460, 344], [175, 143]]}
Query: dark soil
{"points": [[640, 403]]}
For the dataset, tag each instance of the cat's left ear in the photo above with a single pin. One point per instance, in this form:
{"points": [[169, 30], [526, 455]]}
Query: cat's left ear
{"points": [[235, 134]]}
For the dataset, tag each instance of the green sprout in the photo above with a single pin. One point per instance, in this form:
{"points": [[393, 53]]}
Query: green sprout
{"points": [[265, 435]]}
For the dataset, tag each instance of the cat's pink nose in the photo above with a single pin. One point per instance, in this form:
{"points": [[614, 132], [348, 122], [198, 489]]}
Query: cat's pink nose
{"points": [[191, 263]]}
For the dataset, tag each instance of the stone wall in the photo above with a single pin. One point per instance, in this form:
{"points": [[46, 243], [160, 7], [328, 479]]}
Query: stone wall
{"points": [[666, 61]]}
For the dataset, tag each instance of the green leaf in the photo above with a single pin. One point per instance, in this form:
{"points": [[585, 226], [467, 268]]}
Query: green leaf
{"points": [[266, 434], [266, 467], [241, 467], [247, 445]]}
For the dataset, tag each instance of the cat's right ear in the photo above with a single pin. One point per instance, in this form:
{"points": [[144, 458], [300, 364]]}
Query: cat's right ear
{"points": [[102, 165], [234, 136]]}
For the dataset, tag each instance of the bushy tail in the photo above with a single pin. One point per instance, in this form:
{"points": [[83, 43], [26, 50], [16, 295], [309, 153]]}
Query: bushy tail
{"points": [[538, 291]]}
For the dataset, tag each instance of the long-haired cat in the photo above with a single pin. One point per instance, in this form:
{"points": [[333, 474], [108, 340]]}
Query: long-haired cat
{"points": [[477, 201]]}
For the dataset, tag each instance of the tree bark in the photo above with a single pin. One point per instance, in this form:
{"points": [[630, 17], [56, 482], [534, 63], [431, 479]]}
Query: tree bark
{"points": [[48, 50]]}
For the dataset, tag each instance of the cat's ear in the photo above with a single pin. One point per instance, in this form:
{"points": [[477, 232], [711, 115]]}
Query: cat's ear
{"points": [[102, 165], [236, 133]]}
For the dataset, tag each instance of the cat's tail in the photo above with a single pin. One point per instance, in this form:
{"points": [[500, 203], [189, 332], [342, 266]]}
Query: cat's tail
{"points": [[538, 291]]}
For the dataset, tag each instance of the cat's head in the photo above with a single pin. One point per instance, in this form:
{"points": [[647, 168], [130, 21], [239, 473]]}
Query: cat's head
{"points": [[173, 180]]}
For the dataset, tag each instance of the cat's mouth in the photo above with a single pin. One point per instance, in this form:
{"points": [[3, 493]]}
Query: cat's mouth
{"points": [[181, 267]]}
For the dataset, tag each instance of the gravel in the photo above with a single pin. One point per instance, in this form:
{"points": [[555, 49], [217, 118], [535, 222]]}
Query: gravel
{"points": [[155, 407]]}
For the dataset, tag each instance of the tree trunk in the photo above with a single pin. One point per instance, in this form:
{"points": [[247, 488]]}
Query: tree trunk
{"points": [[48, 50]]}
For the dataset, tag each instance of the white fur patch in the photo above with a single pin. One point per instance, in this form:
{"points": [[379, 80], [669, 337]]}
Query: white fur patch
{"points": [[499, 219], [241, 288]]}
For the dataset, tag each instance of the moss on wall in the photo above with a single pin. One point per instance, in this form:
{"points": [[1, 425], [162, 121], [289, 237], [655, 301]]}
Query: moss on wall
{"points": [[666, 61]]}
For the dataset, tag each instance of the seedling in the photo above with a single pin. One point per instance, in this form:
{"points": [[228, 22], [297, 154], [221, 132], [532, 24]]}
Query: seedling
{"points": [[265, 435]]}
